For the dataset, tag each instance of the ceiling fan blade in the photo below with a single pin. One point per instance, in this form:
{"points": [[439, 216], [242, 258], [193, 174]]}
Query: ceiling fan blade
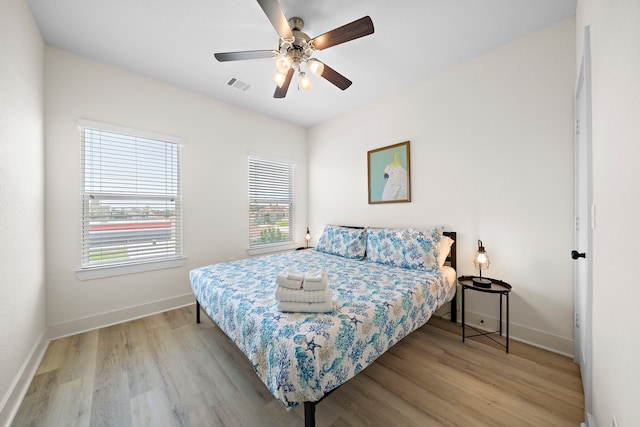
{"points": [[281, 91], [247, 54], [351, 31], [332, 76], [275, 14]]}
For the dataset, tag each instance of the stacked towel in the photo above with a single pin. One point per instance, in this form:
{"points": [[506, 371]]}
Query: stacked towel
{"points": [[290, 279], [305, 293], [315, 280], [294, 275], [306, 307], [314, 275], [299, 295]]}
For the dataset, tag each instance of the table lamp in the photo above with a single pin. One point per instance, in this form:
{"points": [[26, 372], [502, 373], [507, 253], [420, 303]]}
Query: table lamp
{"points": [[307, 237], [481, 260]]}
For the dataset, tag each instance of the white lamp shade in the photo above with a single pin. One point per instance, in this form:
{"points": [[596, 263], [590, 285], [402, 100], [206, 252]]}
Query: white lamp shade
{"points": [[304, 81], [481, 260], [278, 78], [283, 64], [316, 67]]}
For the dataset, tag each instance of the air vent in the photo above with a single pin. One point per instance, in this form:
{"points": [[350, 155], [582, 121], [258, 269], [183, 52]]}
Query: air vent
{"points": [[239, 84]]}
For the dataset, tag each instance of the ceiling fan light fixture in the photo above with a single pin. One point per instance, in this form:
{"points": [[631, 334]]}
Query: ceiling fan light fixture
{"points": [[304, 81], [285, 45], [279, 78], [295, 49], [316, 67], [283, 63]]}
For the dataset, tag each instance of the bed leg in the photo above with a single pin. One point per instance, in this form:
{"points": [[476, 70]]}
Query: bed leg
{"points": [[309, 414], [454, 308], [197, 312]]}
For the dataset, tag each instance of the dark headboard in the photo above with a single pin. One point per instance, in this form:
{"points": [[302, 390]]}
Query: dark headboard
{"points": [[453, 261], [452, 257]]}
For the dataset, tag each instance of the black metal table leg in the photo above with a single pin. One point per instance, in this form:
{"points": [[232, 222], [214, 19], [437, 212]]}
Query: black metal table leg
{"points": [[463, 314], [501, 314], [507, 294]]}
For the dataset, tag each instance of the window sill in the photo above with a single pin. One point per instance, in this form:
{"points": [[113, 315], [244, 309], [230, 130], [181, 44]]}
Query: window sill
{"points": [[119, 270], [276, 247]]}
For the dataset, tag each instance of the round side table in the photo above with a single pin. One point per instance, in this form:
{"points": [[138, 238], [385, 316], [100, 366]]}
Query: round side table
{"points": [[497, 287]]}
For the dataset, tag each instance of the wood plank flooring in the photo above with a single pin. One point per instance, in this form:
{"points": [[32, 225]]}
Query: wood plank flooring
{"points": [[166, 370]]}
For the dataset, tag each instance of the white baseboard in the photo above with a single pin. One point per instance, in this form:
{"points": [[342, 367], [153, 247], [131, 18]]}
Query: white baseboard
{"points": [[18, 389], [534, 337], [114, 317]]}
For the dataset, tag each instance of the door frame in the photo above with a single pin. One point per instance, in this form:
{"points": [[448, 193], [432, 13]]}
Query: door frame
{"points": [[583, 292]]}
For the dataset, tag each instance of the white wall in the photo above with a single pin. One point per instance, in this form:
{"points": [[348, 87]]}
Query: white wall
{"points": [[615, 59], [215, 185], [22, 290], [491, 157]]}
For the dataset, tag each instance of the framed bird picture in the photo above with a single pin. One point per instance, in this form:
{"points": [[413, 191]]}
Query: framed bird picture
{"points": [[388, 171]]}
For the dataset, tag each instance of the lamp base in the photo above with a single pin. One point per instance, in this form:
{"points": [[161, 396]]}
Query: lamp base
{"points": [[481, 282]]}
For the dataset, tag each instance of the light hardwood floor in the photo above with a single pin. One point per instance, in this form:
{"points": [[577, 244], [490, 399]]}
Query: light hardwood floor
{"points": [[166, 370]]}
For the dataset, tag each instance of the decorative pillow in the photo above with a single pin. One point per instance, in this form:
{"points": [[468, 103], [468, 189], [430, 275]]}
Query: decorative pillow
{"points": [[404, 247], [343, 241], [443, 249]]}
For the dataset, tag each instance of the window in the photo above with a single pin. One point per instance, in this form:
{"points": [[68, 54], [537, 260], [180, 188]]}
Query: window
{"points": [[271, 202], [131, 197]]}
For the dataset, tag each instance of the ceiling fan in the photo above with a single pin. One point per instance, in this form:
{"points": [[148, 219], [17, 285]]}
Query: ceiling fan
{"points": [[295, 48]]}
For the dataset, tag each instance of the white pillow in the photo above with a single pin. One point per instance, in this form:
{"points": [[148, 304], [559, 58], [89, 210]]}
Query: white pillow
{"points": [[444, 245]]}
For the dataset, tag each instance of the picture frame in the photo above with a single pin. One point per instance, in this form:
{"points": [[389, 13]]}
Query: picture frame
{"points": [[389, 174]]}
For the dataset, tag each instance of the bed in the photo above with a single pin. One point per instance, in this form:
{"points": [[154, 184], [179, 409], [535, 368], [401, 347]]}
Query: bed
{"points": [[378, 299]]}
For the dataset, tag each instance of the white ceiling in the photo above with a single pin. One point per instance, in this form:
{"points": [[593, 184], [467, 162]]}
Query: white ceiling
{"points": [[174, 41]]}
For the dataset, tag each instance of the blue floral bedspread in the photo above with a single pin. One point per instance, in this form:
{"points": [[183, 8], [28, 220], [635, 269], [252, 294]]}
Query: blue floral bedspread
{"points": [[300, 356]]}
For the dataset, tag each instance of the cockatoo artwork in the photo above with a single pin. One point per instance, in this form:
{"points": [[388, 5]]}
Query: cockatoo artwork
{"points": [[396, 176]]}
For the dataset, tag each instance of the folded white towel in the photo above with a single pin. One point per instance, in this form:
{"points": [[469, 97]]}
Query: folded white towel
{"points": [[306, 307], [299, 295], [310, 285], [314, 275], [294, 275], [288, 283]]}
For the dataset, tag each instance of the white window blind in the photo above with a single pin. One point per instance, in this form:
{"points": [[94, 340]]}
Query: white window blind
{"points": [[131, 196], [271, 201]]}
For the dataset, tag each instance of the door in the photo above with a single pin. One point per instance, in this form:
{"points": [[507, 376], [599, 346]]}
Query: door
{"points": [[584, 225]]}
